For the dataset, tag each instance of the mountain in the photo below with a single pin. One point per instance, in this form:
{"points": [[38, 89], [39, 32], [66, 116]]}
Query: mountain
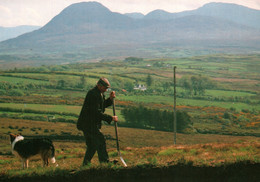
{"points": [[80, 23], [12, 32], [88, 30], [82, 15], [135, 15], [226, 11], [232, 12], [160, 15]]}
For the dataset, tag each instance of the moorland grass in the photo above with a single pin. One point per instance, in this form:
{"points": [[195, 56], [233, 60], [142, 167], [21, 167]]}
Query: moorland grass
{"points": [[140, 149]]}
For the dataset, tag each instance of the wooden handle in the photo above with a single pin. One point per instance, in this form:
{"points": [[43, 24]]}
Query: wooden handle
{"points": [[114, 108]]}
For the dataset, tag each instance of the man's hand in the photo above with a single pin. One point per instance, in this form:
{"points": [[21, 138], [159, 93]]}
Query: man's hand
{"points": [[115, 118], [112, 95]]}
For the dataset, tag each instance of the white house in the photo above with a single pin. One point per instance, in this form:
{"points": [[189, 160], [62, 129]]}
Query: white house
{"points": [[140, 87]]}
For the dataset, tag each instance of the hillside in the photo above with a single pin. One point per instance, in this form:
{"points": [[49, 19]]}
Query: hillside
{"points": [[91, 31], [150, 155], [221, 143], [226, 103]]}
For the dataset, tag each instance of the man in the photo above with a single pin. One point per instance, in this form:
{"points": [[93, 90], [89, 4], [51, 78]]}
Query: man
{"points": [[89, 121]]}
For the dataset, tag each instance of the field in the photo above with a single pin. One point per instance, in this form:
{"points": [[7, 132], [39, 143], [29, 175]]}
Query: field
{"points": [[140, 149], [222, 139]]}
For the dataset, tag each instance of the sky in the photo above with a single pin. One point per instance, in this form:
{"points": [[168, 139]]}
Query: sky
{"points": [[40, 12]]}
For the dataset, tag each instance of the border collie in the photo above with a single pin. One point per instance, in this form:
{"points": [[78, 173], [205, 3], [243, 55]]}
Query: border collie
{"points": [[27, 148]]}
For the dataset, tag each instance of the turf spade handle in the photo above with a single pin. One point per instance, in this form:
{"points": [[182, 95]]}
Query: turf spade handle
{"points": [[117, 141], [116, 131]]}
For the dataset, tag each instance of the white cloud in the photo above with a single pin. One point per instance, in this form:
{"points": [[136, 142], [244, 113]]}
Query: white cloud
{"points": [[29, 12], [31, 16], [4, 10], [5, 15]]}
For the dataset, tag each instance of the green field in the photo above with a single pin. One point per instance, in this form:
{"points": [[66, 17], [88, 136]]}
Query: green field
{"points": [[219, 93], [44, 107], [223, 135], [168, 100], [61, 89], [55, 110], [16, 80]]}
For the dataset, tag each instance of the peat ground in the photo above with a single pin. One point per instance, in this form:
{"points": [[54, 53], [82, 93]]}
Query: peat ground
{"points": [[238, 172]]}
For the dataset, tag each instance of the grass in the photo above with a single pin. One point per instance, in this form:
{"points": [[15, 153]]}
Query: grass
{"points": [[44, 107], [168, 152], [156, 99], [220, 93], [15, 80], [51, 108], [205, 119], [139, 148], [237, 74]]}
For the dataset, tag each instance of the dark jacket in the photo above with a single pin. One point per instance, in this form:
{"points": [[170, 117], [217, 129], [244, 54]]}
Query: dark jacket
{"points": [[92, 112]]}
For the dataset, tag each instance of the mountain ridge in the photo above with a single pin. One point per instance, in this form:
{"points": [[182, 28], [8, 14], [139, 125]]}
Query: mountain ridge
{"points": [[91, 28], [226, 11]]}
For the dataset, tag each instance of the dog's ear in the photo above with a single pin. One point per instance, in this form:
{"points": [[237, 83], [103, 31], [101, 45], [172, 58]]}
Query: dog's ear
{"points": [[12, 137]]}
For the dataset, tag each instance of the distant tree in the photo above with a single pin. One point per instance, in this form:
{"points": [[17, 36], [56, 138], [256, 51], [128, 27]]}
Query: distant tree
{"points": [[149, 80], [2, 92], [133, 60], [82, 82], [129, 86], [186, 84], [16, 92], [6, 85], [31, 86], [61, 83], [142, 117], [42, 69], [183, 121], [226, 115], [158, 64], [167, 85], [196, 85]]}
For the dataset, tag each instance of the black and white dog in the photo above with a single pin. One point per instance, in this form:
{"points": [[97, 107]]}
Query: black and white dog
{"points": [[27, 148]]}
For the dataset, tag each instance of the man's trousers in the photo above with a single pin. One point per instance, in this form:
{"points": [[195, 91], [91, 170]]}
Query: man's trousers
{"points": [[95, 142]]}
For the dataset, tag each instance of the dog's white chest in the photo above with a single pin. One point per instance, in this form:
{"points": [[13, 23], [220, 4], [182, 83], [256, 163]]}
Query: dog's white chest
{"points": [[18, 138]]}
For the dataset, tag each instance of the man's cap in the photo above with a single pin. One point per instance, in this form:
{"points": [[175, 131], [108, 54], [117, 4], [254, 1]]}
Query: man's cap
{"points": [[103, 81]]}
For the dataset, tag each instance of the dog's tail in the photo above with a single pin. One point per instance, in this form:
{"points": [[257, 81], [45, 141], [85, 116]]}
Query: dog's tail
{"points": [[52, 160]]}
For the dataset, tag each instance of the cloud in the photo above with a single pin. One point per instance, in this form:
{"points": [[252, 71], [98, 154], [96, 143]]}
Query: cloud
{"points": [[31, 16], [29, 12], [4, 10], [21, 16], [5, 15]]}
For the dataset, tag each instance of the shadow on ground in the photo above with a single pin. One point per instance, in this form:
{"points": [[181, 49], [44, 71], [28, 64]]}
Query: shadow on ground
{"points": [[238, 172]]}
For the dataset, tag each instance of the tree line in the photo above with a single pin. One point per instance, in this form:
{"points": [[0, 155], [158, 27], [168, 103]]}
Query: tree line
{"points": [[196, 85], [149, 118]]}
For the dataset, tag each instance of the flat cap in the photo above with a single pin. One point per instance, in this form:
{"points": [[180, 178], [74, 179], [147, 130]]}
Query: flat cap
{"points": [[103, 81]]}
